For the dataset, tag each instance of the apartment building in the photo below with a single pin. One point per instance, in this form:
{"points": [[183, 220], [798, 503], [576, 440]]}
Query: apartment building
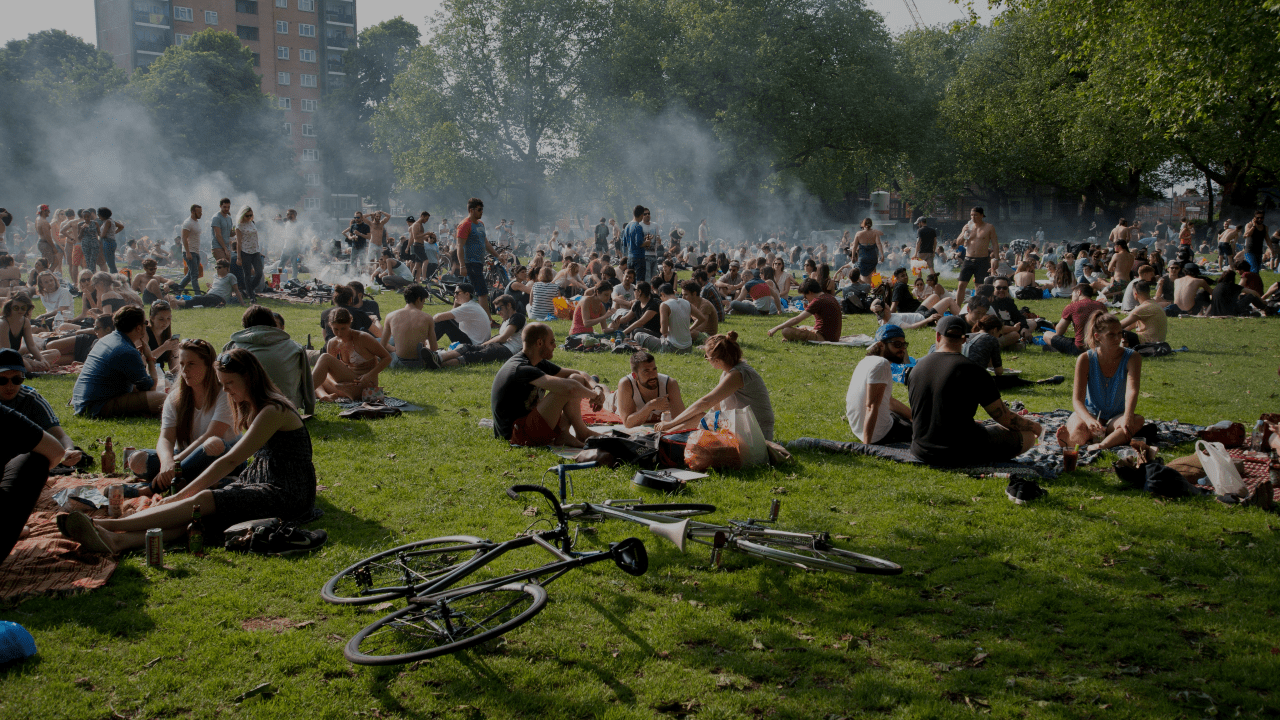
{"points": [[297, 47]]}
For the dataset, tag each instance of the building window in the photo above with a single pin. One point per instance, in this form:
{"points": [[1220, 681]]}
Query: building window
{"points": [[210, 17], [310, 203], [307, 80], [307, 55], [179, 39], [257, 59], [310, 105], [311, 155], [282, 52], [282, 3], [308, 131], [282, 27], [313, 179], [246, 32], [285, 103], [305, 30], [288, 128], [336, 82], [307, 5], [181, 13], [249, 7], [283, 78]]}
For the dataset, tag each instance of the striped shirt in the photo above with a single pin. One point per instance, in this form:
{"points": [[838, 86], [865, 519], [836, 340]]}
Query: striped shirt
{"points": [[30, 403], [541, 303]]}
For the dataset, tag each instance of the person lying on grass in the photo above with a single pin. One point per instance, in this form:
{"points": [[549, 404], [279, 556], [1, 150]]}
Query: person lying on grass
{"points": [[536, 402], [281, 482], [1108, 380], [351, 362], [740, 386]]}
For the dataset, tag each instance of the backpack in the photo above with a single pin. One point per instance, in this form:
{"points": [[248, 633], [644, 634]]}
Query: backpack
{"points": [[1153, 349], [855, 302]]}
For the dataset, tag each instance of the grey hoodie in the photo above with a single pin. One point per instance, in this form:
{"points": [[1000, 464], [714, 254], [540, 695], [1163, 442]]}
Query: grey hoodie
{"points": [[284, 360]]}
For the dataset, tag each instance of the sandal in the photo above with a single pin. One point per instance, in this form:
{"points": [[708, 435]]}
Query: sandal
{"points": [[79, 527]]}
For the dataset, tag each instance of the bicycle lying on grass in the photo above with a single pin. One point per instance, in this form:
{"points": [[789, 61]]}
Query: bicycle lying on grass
{"points": [[440, 618], [805, 550]]}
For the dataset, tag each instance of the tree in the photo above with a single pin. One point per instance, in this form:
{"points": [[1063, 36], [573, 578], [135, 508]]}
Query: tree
{"points": [[351, 159], [208, 97], [492, 101], [1203, 73], [44, 78]]}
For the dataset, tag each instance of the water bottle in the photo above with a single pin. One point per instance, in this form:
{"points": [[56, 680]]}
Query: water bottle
{"points": [[162, 384], [1255, 441], [59, 319]]}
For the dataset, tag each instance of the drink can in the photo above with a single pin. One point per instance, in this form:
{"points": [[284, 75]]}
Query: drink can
{"points": [[666, 417], [155, 548], [774, 506], [115, 501]]}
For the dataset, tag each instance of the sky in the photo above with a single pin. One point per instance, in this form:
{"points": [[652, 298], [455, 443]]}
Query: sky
{"points": [[76, 16]]}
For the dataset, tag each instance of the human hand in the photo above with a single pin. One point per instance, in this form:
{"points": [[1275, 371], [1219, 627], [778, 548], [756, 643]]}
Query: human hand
{"points": [[162, 479], [660, 405], [770, 332], [1096, 428], [70, 457]]}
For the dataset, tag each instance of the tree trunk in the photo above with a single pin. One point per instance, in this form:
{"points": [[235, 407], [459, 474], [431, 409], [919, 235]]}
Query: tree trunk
{"points": [[1208, 211]]}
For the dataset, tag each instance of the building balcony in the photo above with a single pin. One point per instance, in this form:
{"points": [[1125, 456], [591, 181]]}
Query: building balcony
{"points": [[335, 65], [151, 18], [150, 46], [339, 17], [337, 41]]}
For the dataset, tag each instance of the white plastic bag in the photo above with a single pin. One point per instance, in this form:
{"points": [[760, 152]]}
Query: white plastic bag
{"points": [[742, 421], [1219, 468]]}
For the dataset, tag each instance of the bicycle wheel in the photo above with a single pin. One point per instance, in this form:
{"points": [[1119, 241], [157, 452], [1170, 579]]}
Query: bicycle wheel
{"points": [[436, 292], [819, 556], [382, 576], [424, 631]]}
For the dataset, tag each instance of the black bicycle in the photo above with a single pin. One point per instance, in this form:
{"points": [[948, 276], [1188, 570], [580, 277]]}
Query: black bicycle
{"points": [[441, 618]]}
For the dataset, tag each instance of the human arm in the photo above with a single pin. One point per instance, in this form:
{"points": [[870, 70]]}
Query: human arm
{"points": [[186, 240], [664, 320], [385, 335], [641, 322], [796, 320], [1010, 420], [1129, 321], [593, 319], [239, 235], [369, 343], [70, 455], [633, 416], [217, 429], [1062, 325], [168, 461], [730, 383], [1133, 388], [875, 403], [268, 421], [1079, 389]]}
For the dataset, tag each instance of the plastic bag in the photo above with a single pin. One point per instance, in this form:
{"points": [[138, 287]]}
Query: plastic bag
{"points": [[564, 309], [1219, 468], [742, 422], [712, 449]]}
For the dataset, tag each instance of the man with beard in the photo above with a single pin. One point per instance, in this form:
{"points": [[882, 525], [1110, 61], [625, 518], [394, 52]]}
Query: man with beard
{"points": [[645, 394], [875, 416]]}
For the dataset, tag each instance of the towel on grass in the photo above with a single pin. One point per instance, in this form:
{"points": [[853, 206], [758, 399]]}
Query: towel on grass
{"points": [[401, 405]]}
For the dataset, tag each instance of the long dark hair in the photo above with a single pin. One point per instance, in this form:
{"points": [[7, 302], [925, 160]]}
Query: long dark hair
{"points": [[184, 400], [260, 389], [1062, 276], [163, 306]]}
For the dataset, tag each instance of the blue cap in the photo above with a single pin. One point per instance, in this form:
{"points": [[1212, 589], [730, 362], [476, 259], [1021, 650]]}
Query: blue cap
{"points": [[889, 331]]}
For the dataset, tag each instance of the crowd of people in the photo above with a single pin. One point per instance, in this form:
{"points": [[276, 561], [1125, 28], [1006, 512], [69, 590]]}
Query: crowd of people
{"points": [[216, 409]]}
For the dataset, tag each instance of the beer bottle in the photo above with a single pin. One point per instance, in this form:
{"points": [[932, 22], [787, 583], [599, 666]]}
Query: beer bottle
{"points": [[195, 533], [108, 459], [176, 483]]}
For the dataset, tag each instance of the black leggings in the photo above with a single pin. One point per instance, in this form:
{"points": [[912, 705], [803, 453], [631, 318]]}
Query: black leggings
{"points": [[205, 301]]}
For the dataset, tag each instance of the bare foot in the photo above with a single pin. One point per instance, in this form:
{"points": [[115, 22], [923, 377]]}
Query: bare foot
{"points": [[1064, 437]]}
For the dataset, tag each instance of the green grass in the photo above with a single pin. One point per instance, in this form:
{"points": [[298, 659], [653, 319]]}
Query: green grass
{"points": [[1095, 602]]}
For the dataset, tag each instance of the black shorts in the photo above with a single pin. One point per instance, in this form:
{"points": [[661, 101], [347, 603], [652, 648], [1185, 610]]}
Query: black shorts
{"points": [[975, 269], [84, 343], [1066, 345], [1001, 444], [475, 276], [420, 253], [482, 354]]}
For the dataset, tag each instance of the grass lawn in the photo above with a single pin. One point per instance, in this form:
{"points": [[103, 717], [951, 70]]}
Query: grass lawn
{"points": [[1097, 601]]}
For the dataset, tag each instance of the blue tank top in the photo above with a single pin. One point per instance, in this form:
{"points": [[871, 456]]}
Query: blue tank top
{"points": [[1104, 397]]}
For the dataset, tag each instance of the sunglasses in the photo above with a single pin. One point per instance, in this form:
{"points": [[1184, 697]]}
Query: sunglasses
{"points": [[898, 343], [16, 381]]}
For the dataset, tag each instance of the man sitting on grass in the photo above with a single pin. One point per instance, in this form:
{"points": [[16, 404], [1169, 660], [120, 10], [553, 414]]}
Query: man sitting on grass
{"points": [[536, 402], [119, 374], [645, 394], [413, 333], [906, 321], [823, 307], [498, 348], [1148, 318], [1076, 313], [875, 416], [468, 322]]}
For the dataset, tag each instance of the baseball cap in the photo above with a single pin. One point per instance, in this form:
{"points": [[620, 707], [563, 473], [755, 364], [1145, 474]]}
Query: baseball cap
{"points": [[11, 359], [42, 208], [467, 288], [889, 331], [953, 326], [920, 220]]}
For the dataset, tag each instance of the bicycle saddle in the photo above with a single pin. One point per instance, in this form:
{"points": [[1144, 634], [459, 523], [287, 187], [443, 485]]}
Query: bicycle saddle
{"points": [[630, 556]]}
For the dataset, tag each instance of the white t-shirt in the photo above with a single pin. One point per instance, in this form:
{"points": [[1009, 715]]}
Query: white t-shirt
{"points": [[871, 370], [678, 323], [192, 226], [60, 298], [473, 321], [621, 293], [201, 418], [902, 320], [221, 286], [1130, 301]]}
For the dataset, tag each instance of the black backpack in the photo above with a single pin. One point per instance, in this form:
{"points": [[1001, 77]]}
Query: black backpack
{"points": [[855, 302]]}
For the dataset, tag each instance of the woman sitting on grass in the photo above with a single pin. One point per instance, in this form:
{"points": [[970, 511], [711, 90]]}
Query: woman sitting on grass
{"points": [[16, 324], [740, 386], [160, 339], [280, 483], [1107, 382], [195, 424], [590, 311]]}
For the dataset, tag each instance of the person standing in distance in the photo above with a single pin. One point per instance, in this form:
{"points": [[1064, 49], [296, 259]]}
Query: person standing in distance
{"points": [[472, 247], [191, 232], [981, 251]]}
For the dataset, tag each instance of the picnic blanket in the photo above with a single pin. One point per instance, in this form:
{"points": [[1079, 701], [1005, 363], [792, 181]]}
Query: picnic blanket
{"points": [[44, 562], [403, 405], [847, 341], [901, 453], [598, 417], [1257, 467], [69, 369]]}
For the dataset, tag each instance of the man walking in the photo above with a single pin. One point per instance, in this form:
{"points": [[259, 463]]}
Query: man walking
{"points": [[191, 232], [981, 251], [926, 242], [602, 237]]}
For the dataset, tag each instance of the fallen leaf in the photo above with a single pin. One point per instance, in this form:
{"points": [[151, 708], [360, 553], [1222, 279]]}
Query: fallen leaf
{"points": [[979, 659], [695, 603], [755, 643], [265, 690], [1146, 395], [391, 456], [530, 511], [151, 664]]}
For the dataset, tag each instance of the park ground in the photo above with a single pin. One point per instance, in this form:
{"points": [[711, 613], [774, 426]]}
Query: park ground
{"points": [[1095, 602]]}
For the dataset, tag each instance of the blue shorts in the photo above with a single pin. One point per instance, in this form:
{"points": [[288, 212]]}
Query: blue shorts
{"points": [[1254, 260]]}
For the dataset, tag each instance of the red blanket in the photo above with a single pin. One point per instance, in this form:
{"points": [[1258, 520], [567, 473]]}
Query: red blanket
{"points": [[1256, 468], [601, 417]]}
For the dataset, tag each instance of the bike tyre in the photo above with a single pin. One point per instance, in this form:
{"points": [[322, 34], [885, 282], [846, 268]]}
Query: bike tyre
{"points": [[387, 630], [828, 558], [335, 591]]}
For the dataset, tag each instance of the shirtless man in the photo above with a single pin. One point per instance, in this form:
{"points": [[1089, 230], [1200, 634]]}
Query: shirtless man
{"points": [[706, 320], [1120, 267], [377, 222], [351, 361], [981, 251], [1119, 232], [44, 234], [418, 245], [414, 332], [645, 394], [1227, 240], [1185, 290]]}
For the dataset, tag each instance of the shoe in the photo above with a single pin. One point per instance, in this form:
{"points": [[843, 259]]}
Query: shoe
{"points": [[1022, 492], [431, 360], [292, 541], [1055, 380]]}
